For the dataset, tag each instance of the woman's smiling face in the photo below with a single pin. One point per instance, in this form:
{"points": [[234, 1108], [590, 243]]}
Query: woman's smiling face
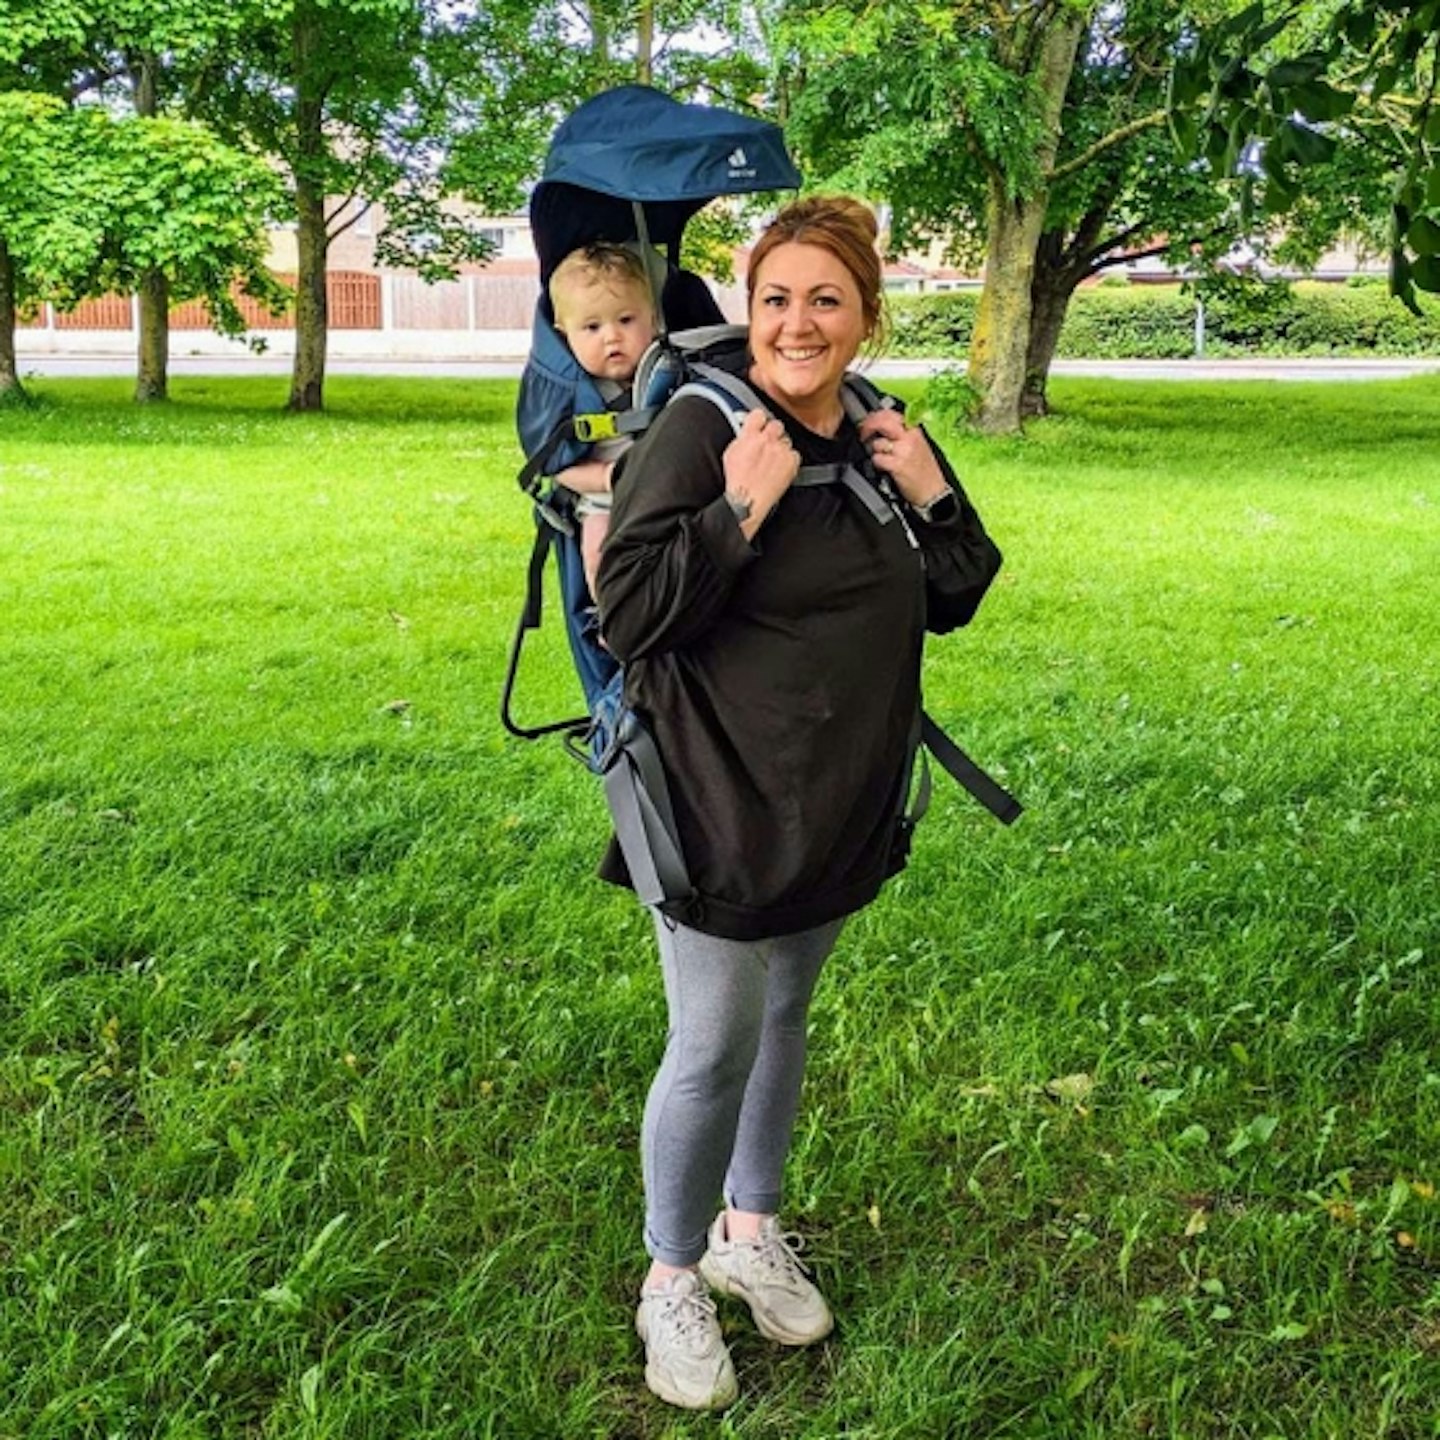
{"points": [[806, 325]]}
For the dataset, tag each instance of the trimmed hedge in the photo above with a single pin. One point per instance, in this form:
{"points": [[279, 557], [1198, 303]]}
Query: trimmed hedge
{"points": [[1157, 322]]}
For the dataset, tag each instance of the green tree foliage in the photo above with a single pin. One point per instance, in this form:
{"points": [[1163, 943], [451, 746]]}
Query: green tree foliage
{"points": [[37, 47], [1303, 108], [951, 114], [90, 202], [143, 57], [357, 102], [37, 231], [352, 104], [178, 200], [1031, 135], [98, 197]]}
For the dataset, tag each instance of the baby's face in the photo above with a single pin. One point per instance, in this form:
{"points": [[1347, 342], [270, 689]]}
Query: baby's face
{"points": [[608, 324]]}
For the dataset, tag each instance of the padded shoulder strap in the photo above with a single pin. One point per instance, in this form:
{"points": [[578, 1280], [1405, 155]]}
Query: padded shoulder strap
{"points": [[734, 399], [727, 392], [860, 397]]}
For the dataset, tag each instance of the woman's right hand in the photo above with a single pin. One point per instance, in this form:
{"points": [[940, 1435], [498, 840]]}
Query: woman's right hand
{"points": [[760, 465]]}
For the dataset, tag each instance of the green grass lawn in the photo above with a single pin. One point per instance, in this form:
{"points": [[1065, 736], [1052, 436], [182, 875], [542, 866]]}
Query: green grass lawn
{"points": [[322, 1054]]}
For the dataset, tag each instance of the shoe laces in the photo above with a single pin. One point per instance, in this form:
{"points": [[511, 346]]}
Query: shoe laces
{"points": [[689, 1315], [778, 1253]]}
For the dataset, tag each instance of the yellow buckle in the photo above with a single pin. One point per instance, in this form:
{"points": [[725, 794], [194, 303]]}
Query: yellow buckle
{"points": [[596, 427]]}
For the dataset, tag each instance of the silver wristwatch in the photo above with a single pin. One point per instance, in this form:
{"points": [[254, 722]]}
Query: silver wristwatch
{"points": [[941, 508]]}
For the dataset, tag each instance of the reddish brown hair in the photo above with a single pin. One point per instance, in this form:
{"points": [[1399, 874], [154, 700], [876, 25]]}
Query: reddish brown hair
{"points": [[844, 227]]}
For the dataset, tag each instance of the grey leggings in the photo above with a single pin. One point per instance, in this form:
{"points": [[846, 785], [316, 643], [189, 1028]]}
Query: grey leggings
{"points": [[721, 1111]]}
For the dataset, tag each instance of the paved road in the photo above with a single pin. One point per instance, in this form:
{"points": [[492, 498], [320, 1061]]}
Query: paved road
{"points": [[1389, 368], [1248, 369]]}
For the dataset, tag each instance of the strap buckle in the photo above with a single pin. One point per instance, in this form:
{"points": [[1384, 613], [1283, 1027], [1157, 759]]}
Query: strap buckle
{"points": [[601, 426]]}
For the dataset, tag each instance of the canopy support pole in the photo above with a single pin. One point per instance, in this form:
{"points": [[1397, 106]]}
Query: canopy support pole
{"points": [[642, 233]]}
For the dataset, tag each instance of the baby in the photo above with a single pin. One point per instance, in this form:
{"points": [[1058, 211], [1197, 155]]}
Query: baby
{"points": [[601, 300]]}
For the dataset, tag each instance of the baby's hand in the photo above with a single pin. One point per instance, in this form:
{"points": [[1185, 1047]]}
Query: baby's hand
{"points": [[589, 477]]}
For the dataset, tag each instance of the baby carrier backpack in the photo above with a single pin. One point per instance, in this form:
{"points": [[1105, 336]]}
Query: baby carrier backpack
{"points": [[631, 166]]}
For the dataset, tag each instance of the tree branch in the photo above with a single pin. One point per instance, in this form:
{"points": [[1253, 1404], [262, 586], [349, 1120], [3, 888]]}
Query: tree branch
{"points": [[1098, 260], [1030, 31], [334, 233], [1081, 249], [1101, 261], [1108, 142], [1121, 237]]}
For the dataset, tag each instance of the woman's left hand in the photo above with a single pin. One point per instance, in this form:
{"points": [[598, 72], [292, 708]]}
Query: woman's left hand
{"points": [[903, 453]]}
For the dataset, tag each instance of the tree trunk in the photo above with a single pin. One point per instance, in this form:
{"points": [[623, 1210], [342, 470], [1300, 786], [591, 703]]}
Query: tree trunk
{"points": [[1002, 322], [645, 43], [1001, 339], [152, 378], [1051, 287], [307, 381], [10, 386], [599, 39]]}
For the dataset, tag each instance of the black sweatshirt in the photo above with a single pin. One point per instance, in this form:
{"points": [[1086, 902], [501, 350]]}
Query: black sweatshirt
{"points": [[780, 679]]}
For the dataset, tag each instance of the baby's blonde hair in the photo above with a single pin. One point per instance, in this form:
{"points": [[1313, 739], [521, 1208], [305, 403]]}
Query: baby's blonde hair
{"points": [[594, 264]]}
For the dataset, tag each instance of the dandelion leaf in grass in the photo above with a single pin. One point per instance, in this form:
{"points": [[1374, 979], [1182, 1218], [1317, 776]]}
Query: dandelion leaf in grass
{"points": [[1257, 1132], [1074, 1089], [1290, 1330]]}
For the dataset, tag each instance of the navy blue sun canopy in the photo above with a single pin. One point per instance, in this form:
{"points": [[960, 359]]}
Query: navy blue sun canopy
{"points": [[635, 144]]}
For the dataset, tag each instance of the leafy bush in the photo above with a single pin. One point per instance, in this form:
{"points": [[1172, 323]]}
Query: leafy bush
{"points": [[1158, 322], [933, 324], [1113, 324]]}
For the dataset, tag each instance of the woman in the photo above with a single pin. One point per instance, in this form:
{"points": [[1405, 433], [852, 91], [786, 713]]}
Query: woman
{"points": [[772, 638]]}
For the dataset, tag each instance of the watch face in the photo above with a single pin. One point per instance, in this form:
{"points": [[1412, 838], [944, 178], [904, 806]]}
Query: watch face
{"points": [[942, 508]]}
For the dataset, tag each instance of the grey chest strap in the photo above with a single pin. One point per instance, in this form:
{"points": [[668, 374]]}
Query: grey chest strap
{"points": [[735, 400]]}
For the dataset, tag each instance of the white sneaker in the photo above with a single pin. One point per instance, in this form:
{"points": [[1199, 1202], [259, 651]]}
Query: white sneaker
{"points": [[766, 1273], [686, 1361]]}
